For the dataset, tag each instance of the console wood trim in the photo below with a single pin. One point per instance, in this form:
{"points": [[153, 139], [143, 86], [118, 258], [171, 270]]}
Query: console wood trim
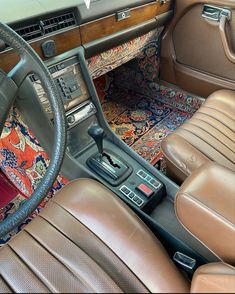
{"points": [[64, 41], [109, 25]]}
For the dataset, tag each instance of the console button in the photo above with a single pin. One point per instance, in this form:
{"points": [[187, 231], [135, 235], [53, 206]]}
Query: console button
{"points": [[132, 194], [139, 201], [154, 183], [125, 190], [135, 198], [142, 174], [145, 190]]}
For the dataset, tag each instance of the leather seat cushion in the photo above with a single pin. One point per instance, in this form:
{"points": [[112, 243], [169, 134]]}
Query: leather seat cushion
{"points": [[208, 136], [87, 240]]}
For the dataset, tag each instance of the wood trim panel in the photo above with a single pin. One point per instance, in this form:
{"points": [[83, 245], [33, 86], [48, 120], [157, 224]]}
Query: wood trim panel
{"points": [[64, 41], [109, 25]]}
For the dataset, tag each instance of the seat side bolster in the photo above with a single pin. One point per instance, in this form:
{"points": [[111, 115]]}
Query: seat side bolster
{"points": [[182, 157], [214, 278]]}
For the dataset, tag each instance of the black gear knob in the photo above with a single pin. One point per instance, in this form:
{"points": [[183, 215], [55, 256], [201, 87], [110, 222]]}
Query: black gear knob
{"points": [[97, 133]]}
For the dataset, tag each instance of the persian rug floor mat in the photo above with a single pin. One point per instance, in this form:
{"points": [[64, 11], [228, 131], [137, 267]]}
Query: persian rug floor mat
{"points": [[23, 163], [142, 122]]}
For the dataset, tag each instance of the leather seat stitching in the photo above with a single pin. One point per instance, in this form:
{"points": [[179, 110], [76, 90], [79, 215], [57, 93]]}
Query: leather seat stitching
{"points": [[214, 117], [225, 114], [30, 269], [7, 284], [195, 117], [56, 203], [196, 135], [67, 237], [190, 122], [81, 279]]}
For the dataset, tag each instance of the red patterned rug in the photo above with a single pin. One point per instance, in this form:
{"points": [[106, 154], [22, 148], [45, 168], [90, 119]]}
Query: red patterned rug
{"points": [[23, 163], [142, 122]]}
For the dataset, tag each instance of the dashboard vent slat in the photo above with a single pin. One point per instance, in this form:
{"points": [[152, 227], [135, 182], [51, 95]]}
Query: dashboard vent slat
{"points": [[59, 22], [30, 32], [46, 26]]}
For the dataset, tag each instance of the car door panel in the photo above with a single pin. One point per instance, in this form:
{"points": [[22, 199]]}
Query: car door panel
{"points": [[193, 54]]}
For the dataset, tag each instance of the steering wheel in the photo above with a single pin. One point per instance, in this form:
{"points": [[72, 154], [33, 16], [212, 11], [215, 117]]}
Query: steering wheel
{"points": [[10, 83]]}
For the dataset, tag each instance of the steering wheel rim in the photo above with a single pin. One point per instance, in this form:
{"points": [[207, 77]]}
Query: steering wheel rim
{"points": [[31, 63]]}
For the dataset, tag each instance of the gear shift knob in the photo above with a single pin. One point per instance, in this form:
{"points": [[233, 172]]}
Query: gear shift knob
{"points": [[97, 133]]}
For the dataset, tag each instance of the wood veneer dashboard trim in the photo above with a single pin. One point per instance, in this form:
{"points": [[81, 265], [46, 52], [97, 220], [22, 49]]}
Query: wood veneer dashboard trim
{"points": [[75, 37], [109, 25], [64, 41]]}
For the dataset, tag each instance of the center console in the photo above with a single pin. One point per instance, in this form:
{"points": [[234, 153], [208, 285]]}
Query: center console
{"points": [[94, 151], [89, 144]]}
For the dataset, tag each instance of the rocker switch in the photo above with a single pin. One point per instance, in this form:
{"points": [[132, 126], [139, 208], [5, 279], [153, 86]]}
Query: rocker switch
{"points": [[145, 190]]}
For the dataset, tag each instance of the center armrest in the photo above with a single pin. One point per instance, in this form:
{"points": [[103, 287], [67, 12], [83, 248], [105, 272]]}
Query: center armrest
{"points": [[205, 205]]}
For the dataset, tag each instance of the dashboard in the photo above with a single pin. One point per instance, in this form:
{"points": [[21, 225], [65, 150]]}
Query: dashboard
{"points": [[54, 28]]}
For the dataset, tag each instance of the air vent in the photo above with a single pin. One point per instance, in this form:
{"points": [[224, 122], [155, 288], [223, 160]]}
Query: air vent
{"points": [[46, 26], [30, 32], [58, 23]]}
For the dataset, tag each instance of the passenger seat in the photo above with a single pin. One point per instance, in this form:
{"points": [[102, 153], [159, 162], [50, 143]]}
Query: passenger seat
{"points": [[208, 136]]}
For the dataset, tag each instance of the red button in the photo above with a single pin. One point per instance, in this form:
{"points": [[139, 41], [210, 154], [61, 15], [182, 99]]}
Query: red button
{"points": [[145, 190]]}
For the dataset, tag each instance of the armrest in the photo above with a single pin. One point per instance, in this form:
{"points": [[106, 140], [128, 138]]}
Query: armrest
{"points": [[214, 278], [205, 205]]}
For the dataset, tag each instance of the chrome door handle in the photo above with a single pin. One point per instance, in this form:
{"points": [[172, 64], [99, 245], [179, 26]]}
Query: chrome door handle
{"points": [[215, 13]]}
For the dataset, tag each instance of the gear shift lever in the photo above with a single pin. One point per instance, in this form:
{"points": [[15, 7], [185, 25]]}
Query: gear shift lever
{"points": [[97, 133], [105, 163]]}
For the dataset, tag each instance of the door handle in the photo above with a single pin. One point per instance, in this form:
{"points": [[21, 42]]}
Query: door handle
{"points": [[221, 15], [215, 13], [222, 28]]}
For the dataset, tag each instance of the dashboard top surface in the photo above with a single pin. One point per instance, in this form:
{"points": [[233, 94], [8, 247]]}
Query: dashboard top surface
{"points": [[13, 11]]}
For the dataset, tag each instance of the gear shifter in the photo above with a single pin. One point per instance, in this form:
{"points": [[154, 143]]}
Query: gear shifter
{"points": [[106, 163], [97, 133]]}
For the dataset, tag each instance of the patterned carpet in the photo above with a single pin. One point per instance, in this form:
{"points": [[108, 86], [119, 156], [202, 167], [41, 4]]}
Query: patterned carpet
{"points": [[23, 163], [142, 122]]}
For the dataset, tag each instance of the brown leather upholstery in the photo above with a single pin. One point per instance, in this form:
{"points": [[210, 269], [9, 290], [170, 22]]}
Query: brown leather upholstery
{"points": [[192, 53], [208, 136], [87, 240], [205, 205], [214, 278]]}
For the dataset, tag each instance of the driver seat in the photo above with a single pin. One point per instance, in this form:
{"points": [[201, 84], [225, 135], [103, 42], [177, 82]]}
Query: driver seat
{"points": [[87, 240]]}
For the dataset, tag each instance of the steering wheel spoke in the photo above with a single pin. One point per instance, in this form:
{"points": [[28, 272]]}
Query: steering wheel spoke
{"points": [[8, 92], [24, 68]]}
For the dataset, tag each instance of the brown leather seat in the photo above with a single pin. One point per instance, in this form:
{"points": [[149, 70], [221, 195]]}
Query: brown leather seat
{"points": [[208, 136], [87, 240]]}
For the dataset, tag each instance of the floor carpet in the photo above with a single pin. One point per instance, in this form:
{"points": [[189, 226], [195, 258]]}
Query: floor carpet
{"points": [[23, 163], [142, 122]]}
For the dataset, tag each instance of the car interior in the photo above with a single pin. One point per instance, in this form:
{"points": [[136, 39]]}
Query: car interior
{"points": [[117, 146]]}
